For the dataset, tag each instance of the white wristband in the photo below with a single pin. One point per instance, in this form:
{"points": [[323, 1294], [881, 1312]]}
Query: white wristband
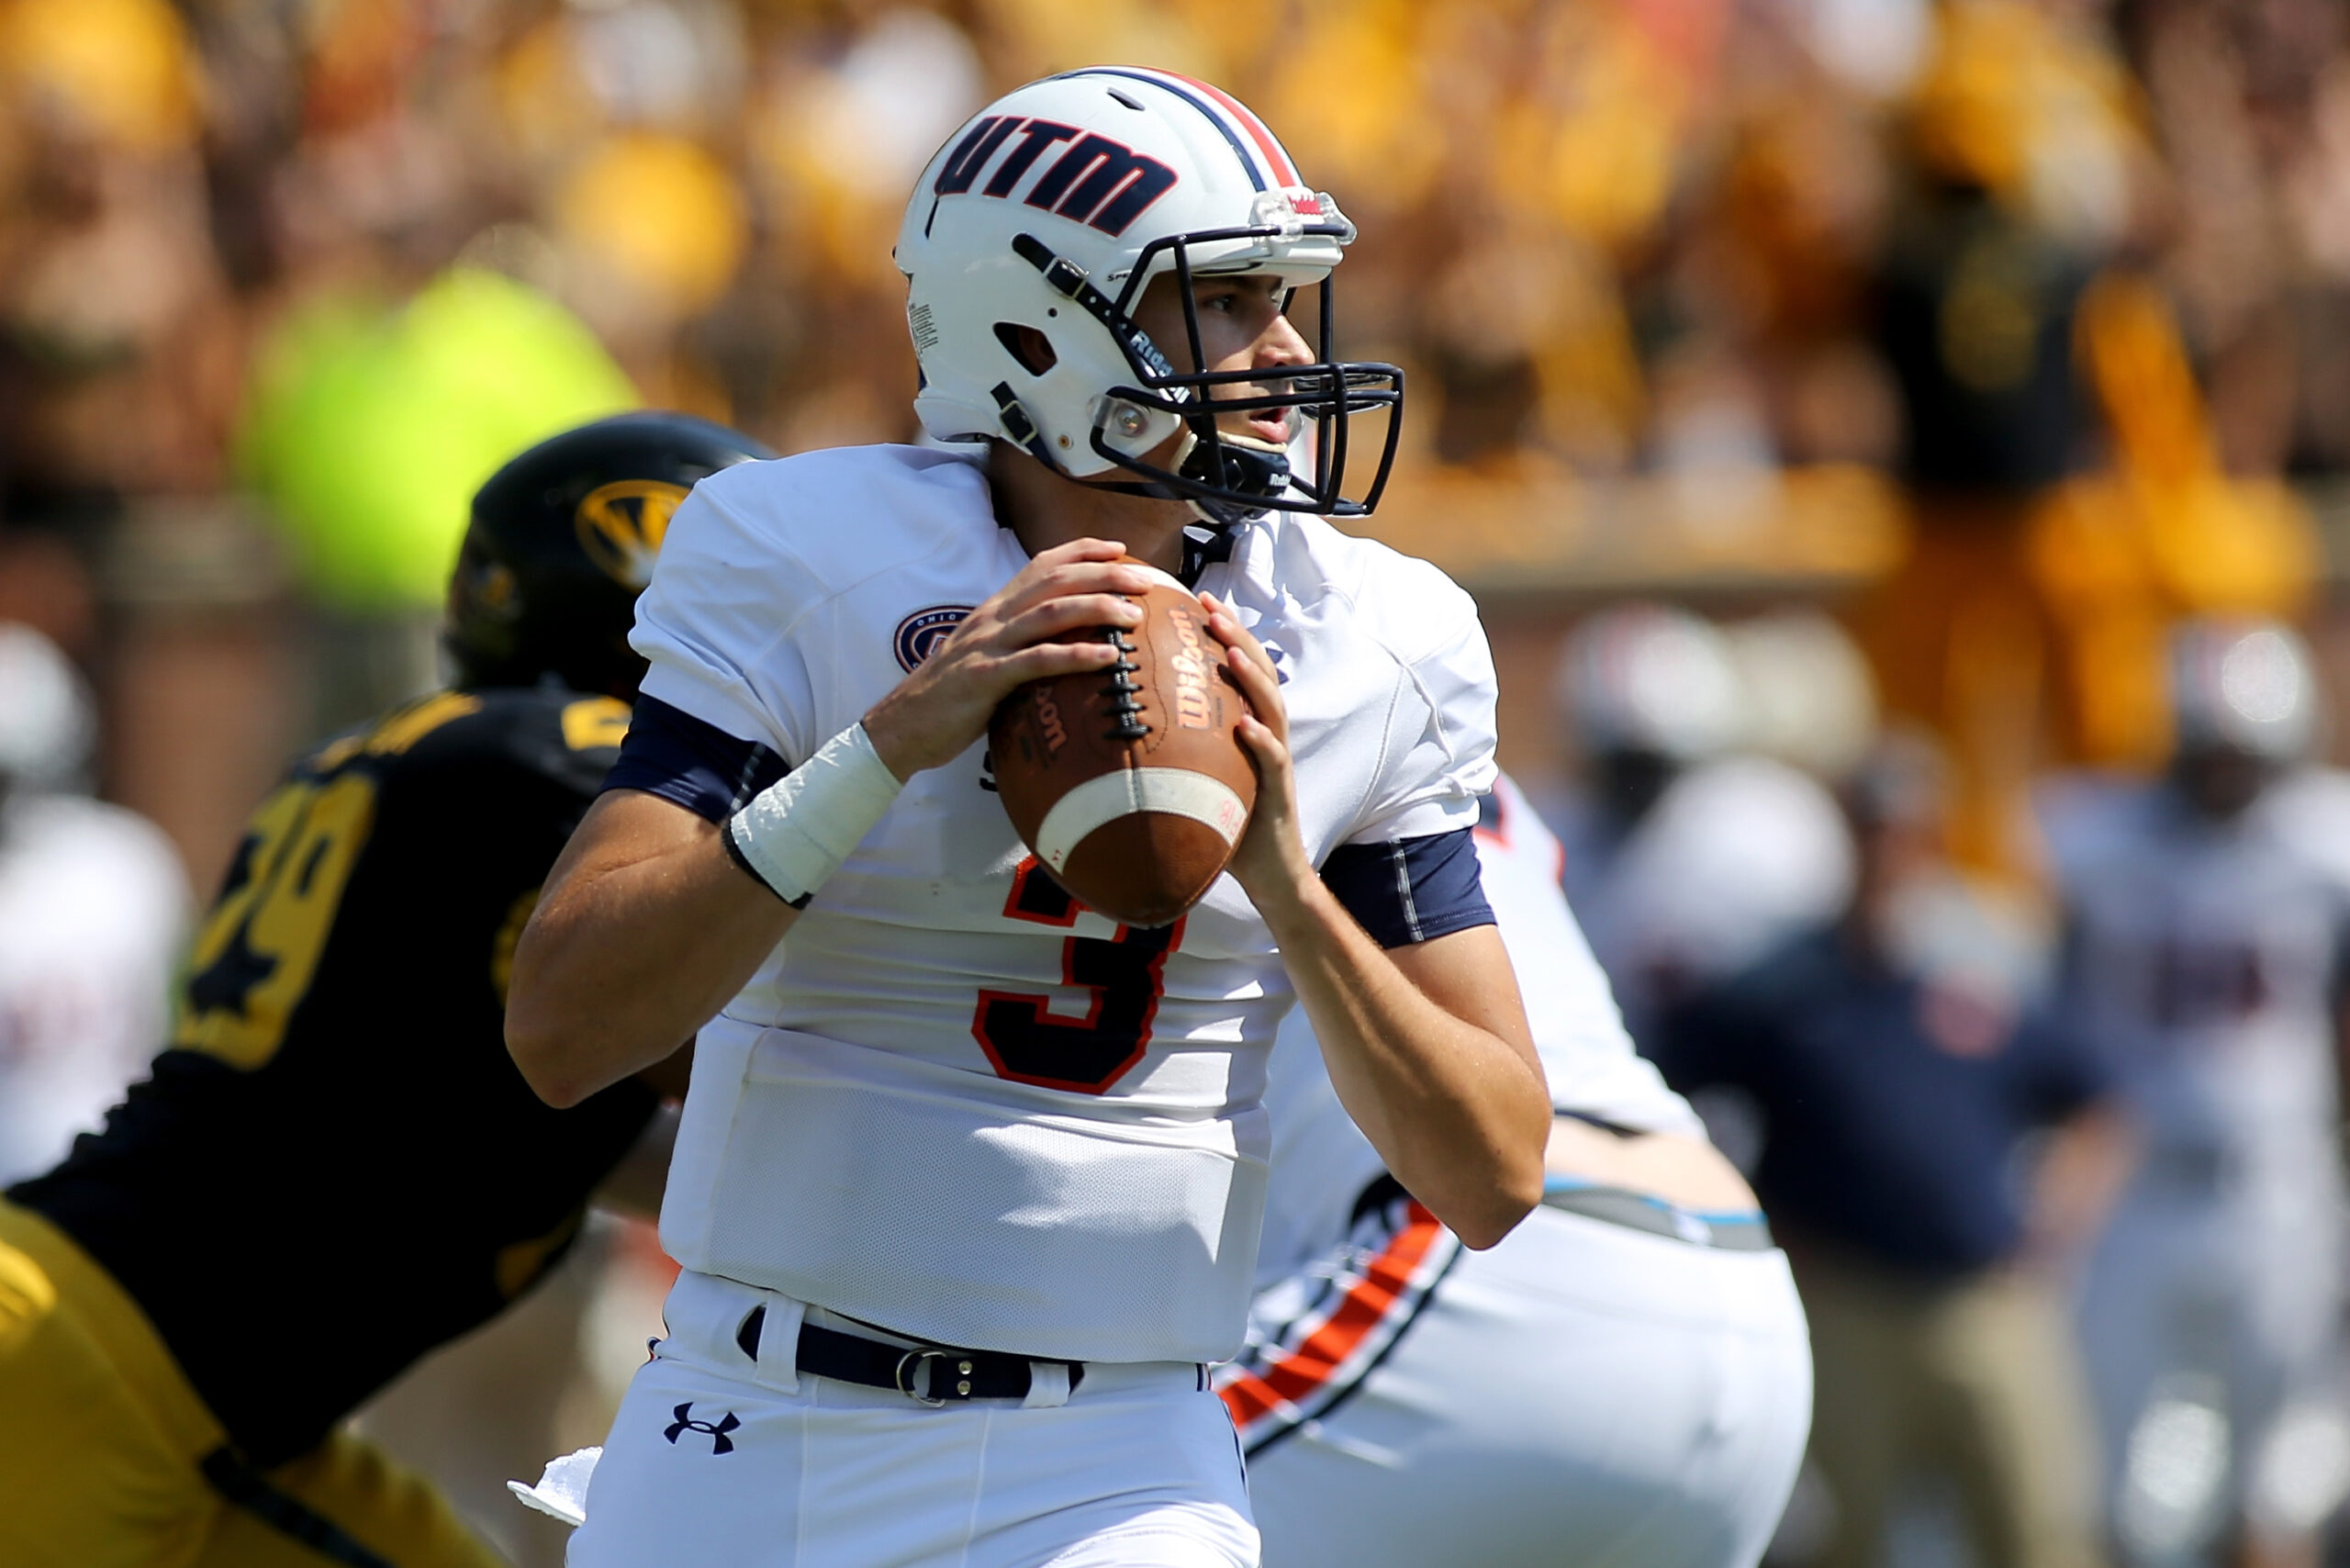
{"points": [[796, 832]]}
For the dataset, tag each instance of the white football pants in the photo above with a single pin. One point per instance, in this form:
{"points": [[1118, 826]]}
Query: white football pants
{"points": [[714, 1459], [1582, 1393], [2229, 1295]]}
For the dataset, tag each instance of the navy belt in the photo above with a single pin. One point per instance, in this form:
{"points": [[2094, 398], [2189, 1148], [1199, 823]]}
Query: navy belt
{"points": [[928, 1375], [1745, 1231]]}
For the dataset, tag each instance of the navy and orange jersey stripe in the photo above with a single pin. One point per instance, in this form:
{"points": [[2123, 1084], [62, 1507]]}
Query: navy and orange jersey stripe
{"points": [[1370, 1290]]}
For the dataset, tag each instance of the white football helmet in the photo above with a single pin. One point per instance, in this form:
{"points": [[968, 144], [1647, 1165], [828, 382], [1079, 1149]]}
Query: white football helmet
{"points": [[2240, 685], [48, 723], [1052, 211], [1649, 677]]}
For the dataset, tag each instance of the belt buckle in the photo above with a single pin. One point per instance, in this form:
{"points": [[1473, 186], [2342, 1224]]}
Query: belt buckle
{"points": [[913, 1360]]}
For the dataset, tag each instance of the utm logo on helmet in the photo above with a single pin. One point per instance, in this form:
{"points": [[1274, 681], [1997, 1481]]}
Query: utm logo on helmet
{"points": [[1114, 184], [1028, 244], [621, 525]]}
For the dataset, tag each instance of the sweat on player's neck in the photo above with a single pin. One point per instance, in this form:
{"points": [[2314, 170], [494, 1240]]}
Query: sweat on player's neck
{"points": [[1044, 508]]}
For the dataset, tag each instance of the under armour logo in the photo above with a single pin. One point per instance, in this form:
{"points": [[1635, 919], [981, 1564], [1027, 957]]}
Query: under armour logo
{"points": [[718, 1441]]}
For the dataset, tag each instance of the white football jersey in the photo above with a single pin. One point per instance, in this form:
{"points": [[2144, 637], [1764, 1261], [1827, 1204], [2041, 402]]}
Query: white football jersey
{"points": [[1322, 1162], [94, 909], [2205, 960], [1737, 856], [953, 1102]]}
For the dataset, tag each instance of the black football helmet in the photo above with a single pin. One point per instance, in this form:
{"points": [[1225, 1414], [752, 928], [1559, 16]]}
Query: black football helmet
{"points": [[562, 542]]}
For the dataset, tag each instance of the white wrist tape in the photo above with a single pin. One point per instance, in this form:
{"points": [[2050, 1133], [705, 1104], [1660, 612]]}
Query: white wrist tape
{"points": [[796, 832]]}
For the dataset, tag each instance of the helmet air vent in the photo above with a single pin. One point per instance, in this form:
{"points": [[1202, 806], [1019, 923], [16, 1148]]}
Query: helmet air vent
{"points": [[1030, 349]]}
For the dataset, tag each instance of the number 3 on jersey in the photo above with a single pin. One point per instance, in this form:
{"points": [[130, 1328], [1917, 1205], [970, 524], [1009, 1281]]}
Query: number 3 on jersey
{"points": [[1029, 1042]]}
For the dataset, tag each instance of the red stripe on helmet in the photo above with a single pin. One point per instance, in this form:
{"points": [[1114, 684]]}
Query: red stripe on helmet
{"points": [[1285, 172]]}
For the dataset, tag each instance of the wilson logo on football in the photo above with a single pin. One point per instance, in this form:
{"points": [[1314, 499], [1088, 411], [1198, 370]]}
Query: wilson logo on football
{"points": [[621, 525], [920, 633], [1093, 180], [1191, 666]]}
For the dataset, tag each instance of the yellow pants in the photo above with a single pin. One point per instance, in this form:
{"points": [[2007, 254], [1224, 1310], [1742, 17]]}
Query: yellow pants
{"points": [[103, 1445]]}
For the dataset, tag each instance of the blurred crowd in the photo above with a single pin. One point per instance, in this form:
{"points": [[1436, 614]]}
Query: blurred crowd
{"points": [[2067, 282], [2071, 280]]}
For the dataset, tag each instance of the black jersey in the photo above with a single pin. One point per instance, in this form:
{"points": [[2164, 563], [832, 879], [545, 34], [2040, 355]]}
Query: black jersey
{"points": [[336, 1166]]}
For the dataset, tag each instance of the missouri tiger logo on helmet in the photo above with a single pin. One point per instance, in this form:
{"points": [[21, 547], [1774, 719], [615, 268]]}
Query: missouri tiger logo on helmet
{"points": [[563, 539], [621, 524]]}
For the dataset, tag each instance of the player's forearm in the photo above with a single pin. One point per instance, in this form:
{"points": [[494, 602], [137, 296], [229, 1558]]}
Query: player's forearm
{"points": [[638, 941], [1460, 1114]]}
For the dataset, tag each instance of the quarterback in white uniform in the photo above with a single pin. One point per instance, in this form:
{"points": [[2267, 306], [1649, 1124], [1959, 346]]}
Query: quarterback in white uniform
{"points": [[1625, 1379], [2210, 913], [969, 1181]]}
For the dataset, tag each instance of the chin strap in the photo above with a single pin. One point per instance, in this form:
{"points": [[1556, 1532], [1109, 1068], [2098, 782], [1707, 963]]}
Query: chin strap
{"points": [[1068, 279], [1234, 463], [1021, 428], [1204, 545], [1249, 468]]}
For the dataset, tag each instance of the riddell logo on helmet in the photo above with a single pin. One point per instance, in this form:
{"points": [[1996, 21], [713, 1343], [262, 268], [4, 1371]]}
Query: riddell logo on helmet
{"points": [[1095, 180], [621, 525]]}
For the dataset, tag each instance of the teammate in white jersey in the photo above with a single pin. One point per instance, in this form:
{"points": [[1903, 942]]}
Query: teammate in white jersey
{"points": [[1687, 859], [1624, 1380], [970, 1178], [93, 907], [2210, 914]]}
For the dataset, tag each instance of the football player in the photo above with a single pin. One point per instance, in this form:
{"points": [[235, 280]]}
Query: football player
{"points": [[2208, 915], [335, 1167], [94, 909], [1625, 1379], [1685, 859], [969, 1183]]}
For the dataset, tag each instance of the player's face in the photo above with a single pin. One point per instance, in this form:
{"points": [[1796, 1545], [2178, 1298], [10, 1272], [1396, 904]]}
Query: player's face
{"points": [[1242, 327], [2220, 781]]}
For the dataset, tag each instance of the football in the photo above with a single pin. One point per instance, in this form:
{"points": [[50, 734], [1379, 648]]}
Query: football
{"points": [[1130, 783]]}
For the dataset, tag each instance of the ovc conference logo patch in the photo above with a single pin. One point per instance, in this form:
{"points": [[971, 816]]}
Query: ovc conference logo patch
{"points": [[920, 633]]}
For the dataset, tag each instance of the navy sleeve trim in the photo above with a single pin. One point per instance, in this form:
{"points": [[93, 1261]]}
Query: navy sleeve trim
{"points": [[1412, 889], [671, 754]]}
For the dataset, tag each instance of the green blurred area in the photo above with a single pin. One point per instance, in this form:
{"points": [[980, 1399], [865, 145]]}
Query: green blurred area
{"points": [[367, 430]]}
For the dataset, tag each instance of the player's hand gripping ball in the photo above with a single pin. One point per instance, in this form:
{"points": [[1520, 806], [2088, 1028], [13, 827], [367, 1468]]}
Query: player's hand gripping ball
{"points": [[1128, 782]]}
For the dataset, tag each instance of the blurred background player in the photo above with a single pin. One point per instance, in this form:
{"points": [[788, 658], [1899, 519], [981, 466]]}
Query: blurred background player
{"points": [[1623, 1381], [2209, 916], [94, 906], [1901, 1076], [335, 1166], [1686, 859]]}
